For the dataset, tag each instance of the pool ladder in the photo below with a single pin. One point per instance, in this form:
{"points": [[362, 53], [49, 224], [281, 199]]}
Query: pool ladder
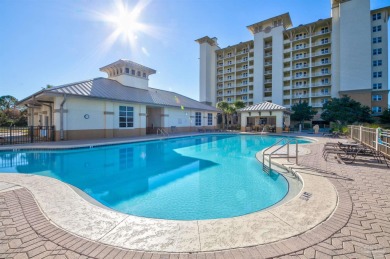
{"points": [[161, 131], [287, 141]]}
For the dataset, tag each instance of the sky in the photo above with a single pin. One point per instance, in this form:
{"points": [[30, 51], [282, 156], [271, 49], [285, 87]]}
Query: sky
{"points": [[63, 41]]}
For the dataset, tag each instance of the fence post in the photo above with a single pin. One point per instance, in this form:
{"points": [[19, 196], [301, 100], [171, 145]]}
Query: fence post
{"points": [[32, 134], [377, 139], [360, 133], [10, 135], [352, 128]]}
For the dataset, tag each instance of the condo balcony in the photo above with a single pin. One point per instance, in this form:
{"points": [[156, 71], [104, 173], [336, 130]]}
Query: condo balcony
{"points": [[268, 81], [320, 43], [300, 76], [298, 96], [323, 32], [321, 53], [320, 84], [269, 54], [315, 64], [300, 86], [301, 57], [320, 74], [320, 94], [266, 64], [268, 72], [267, 46], [317, 104], [300, 47], [267, 90], [300, 38], [300, 67]]}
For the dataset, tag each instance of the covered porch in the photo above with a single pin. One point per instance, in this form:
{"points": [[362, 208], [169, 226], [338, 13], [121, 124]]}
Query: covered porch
{"points": [[265, 117]]}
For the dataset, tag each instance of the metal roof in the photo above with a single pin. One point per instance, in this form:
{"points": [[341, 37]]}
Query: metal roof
{"points": [[109, 89], [264, 106]]}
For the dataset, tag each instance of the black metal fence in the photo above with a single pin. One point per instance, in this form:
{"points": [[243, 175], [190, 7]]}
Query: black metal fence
{"points": [[31, 134]]}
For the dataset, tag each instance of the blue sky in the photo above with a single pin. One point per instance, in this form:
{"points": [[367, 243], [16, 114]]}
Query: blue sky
{"points": [[63, 41]]}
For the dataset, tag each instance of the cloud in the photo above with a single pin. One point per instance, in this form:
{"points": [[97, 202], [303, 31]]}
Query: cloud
{"points": [[145, 51]]}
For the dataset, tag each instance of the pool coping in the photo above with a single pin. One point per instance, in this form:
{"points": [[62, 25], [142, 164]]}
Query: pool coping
{"points": [[121, 230]]}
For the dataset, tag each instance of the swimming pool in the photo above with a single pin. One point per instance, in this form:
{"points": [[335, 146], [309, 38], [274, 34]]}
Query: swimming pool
{"points": [[201, 177]]}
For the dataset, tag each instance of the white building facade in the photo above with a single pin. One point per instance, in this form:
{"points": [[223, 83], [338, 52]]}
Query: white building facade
{"points": [[346, 54], [122, 105]]}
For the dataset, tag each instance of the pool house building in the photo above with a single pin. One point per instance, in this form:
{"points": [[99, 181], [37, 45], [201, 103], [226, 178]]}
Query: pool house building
{"points": [[121, 105]]}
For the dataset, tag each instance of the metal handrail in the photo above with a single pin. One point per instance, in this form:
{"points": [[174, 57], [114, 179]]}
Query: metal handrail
{"points": [[288, 141], [162, 132]]}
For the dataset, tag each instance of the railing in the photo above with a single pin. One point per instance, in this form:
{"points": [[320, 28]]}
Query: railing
{"points": [[287, 143], [30, 134], [161, 131], [377, 139]]}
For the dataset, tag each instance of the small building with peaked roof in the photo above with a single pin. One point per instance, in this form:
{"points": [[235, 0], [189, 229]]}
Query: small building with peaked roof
{"points": [[121, 105], [264, 114]]}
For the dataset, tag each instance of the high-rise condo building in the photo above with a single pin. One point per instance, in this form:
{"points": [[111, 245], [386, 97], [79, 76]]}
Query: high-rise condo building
{"points": [[346, 54]]}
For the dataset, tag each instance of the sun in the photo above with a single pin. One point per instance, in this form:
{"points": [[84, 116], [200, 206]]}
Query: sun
{"points": [[125, 22]]}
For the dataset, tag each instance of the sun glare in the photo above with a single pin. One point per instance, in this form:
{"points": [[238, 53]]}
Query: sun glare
{"points": [[125, 22]]}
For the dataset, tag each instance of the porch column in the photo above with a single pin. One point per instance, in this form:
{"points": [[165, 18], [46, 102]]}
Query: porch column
{"points": [[279, 121], [244, 116]]}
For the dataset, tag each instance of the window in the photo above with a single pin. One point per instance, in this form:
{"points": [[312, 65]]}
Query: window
{"points": [[324, 30], [377, 74], [245, 59], [229, 77], [209, 119], [325, 81], [133, 72], [323, 101], [244, 75], [377, 97], [120, 70], [324, 71], [376, 109], [229, 62], [244, 98], [198, 119], [127, 70], [325, 51], [229, 54], [325, 91], [376, 16], [138, 73], [229, 84], [377, 86], [324, 41], [229, 99], [126, 117], [324, 60], [144, 75], [377, 28], [377, 40], [377, 51], [377, 63]]}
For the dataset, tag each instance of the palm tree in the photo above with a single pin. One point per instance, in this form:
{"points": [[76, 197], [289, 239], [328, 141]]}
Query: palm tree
{"points": [[223, 106], [238, 105]]}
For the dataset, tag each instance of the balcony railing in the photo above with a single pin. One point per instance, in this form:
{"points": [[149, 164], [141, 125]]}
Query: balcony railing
{"points": [[268, 55], [300, 86], [317, 104], [321, 74], [320, 64], [267, 72], [300, 57], [321, 43], [300, 38], [297, 96], [320, 84], [321, 53], [321, 32], [300, 77], [267, 63], [268, 81], [300, 67], [267, 90], [320, 94], [266, 46]]}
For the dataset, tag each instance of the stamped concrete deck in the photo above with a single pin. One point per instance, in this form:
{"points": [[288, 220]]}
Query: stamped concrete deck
{"points": [[358, 228]]}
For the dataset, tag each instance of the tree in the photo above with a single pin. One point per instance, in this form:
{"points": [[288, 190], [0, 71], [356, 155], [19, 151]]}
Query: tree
{"points": [[385, 117], [10, 113], [302, 111], [346, 111], [223, 106]]}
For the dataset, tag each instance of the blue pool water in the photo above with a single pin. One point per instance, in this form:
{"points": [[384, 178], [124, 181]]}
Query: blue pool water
{"points": [[202, 177]]}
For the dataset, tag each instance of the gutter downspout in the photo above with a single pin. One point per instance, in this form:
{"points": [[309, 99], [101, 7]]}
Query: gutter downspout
{"points": [[62, 118]]}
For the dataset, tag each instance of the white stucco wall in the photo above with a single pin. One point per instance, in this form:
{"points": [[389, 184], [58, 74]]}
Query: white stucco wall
{"points": [[132, 81], [277, 64], [258, 67], [207, 73], [355, 46]]}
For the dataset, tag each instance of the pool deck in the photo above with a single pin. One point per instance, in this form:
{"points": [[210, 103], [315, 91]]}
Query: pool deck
{"points": [[352, 224]]}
